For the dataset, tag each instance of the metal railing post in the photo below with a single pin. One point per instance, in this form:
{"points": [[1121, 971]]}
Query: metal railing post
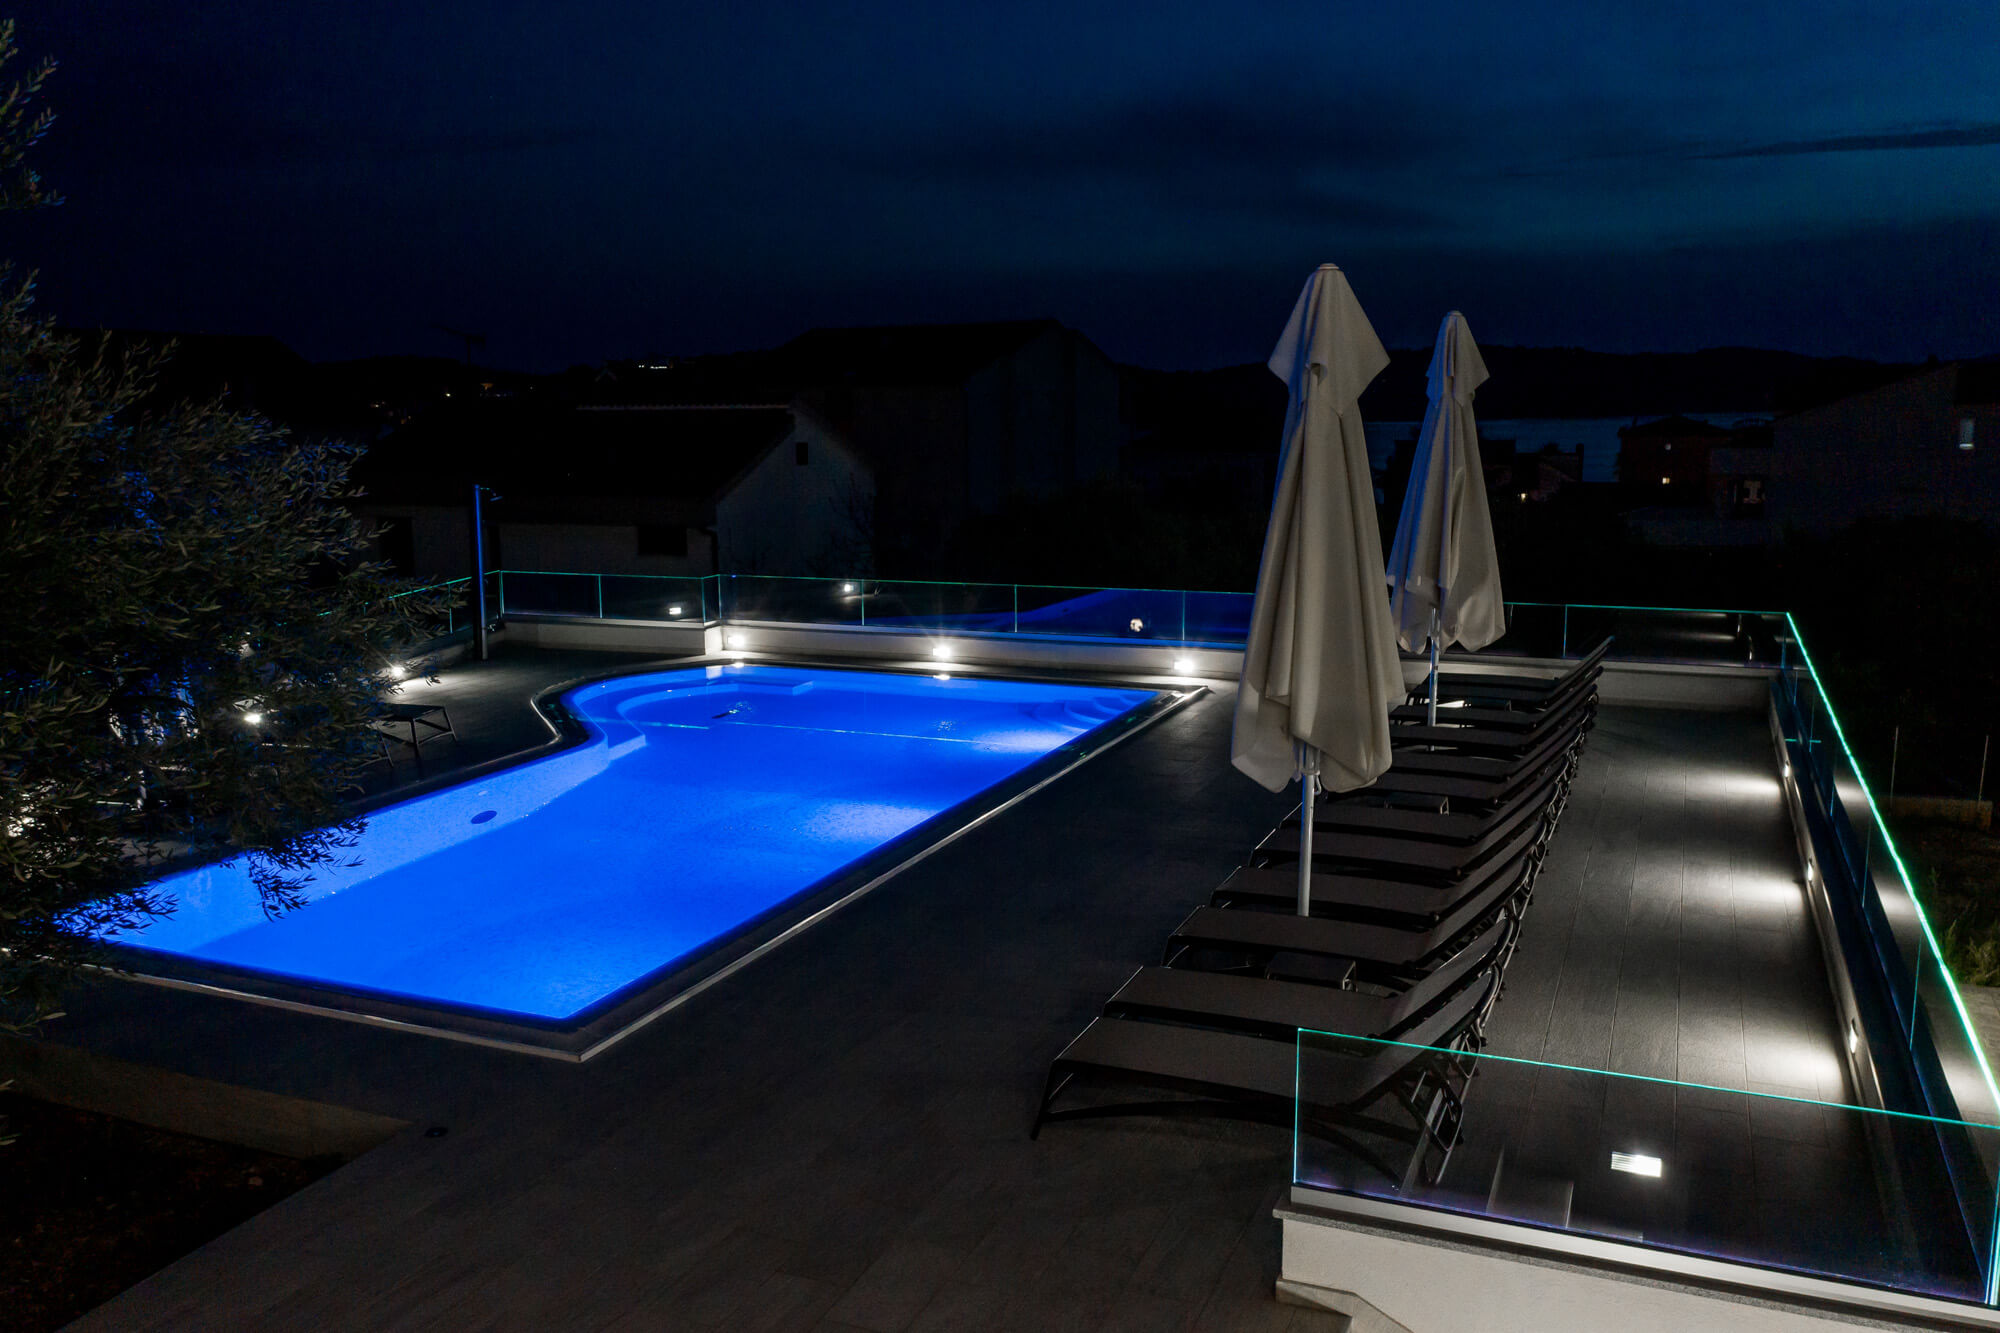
{"points": [[599, 579], [1564, 651], [1017, 607], [1184, 637]]}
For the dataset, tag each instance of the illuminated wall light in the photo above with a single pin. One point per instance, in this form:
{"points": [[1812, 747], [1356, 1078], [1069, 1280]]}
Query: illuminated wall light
{"points": [[1137, 624], [1638, 1164], [941, 650], [674, 610], [254, 719], [738, 641], [847, 587], [1183, 666]]}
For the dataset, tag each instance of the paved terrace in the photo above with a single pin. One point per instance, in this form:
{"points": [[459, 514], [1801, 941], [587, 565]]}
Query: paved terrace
{"points": [[835, 1137]]}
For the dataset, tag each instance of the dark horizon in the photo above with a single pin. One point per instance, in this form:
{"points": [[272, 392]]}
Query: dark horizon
{"points": [[635, 182]]}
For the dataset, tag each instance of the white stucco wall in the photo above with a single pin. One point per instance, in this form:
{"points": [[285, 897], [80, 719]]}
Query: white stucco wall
{"points": [[787, 517]]}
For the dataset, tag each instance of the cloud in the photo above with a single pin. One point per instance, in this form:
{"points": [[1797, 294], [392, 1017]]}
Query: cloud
{"points": [[1958, 136], [1281, 157]]}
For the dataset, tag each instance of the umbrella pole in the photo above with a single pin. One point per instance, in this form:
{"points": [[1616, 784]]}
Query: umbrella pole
{"points": [[1306, 784], [1433, 718]]}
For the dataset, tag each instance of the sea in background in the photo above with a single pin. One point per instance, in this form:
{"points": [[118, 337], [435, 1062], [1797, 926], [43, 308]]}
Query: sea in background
{"points": [[1596, 438]]}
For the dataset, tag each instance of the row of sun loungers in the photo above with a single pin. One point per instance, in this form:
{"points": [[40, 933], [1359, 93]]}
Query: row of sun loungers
{"points": [[1418, 888]]}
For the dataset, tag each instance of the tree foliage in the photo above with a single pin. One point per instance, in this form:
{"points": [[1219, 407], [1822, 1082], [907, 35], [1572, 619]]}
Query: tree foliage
{"points": [[192, 648]]}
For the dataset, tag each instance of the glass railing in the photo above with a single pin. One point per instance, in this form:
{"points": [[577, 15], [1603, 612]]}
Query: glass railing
{"points": [[1845, 1193], [1181, 617], [1097, 614], [649, 597], [1644, 633], [1910, 1005]]}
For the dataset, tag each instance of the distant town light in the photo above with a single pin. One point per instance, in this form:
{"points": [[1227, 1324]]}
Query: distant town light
{"points": [[1639, 1164], [254, 719], [1524, 495], [847, 587], [1663, 481]]}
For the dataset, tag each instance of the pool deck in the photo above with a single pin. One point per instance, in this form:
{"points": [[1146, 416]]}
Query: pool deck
{"points": [[836, 1136]]}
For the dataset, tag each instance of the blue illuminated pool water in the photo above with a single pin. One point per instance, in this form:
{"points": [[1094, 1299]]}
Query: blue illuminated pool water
{"points": [[702, 799]]}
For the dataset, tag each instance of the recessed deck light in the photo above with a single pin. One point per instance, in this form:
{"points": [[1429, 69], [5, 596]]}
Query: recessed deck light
{"points": [[944, 675], [673, 610], [1636, 1163]]}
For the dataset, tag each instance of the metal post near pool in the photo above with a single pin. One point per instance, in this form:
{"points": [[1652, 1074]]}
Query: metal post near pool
{"points": [[479, 648]]}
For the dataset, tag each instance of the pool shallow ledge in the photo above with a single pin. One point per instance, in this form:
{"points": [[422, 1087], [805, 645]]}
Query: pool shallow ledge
{"points": [[602, 1025]]}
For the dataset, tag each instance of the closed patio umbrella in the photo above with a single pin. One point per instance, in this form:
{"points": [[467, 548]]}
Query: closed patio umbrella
{"points": [[1444, 578], [1320, 671]]}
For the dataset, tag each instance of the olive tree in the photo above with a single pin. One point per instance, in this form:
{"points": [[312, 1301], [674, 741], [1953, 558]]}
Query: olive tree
{"points": [[192, 644]]}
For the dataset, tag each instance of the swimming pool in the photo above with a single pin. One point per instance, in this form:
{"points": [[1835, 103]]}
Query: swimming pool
{"points": [[699, 801]]}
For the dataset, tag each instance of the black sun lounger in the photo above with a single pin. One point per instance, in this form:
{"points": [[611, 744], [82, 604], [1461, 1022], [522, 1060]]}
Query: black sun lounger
{"points": [[1397, 903], [1578, 714], [1496, 719], [1278, 1009], [1518, 691], [1209, 1072], [1446, 761], [1380, 951], [1411, 854], [1464, 826], [1402, 786]]}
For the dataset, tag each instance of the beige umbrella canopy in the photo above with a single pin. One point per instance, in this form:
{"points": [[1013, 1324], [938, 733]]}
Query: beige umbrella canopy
{"points": [[1444, 578], [1320, 671]]}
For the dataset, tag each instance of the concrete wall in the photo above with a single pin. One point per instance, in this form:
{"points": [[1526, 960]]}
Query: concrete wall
{"points": [[598, 548], [1041, 420], [1428, 1285], [1889, 453], [441, 543], [784, 516], [440, 536]]}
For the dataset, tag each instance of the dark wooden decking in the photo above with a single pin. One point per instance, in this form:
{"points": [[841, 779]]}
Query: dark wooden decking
{"points": [[836, 1137]]}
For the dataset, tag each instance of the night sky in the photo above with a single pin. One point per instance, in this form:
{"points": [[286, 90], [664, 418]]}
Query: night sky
{"points": [[579, 181]]}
